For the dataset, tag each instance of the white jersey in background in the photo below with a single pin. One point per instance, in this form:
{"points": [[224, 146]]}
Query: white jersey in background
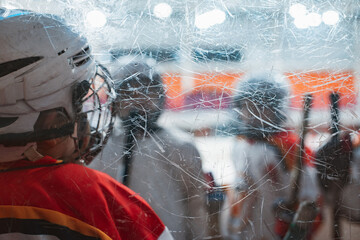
{"points": [[261, 181], [167, 172]]}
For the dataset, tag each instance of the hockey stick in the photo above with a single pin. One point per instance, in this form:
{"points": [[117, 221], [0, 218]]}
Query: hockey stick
{"points": [[334, 113], [302, 222], [128, 155], [296, 173], [131, 129]]}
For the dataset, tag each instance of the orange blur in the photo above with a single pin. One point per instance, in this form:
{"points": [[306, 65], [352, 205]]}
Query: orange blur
{"points": [[321, 84], [318, 83]]}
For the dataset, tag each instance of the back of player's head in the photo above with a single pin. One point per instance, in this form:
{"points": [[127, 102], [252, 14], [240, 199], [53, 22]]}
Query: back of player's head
{"points": [[46, 67], [261, 101], [140, 92]]}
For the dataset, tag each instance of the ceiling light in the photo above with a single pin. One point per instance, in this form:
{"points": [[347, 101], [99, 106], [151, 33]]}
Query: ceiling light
{"points": [[95, 19], [330, 17], [162, 10], [209, 19], [301, 22], [297, 10], [313, 19]]}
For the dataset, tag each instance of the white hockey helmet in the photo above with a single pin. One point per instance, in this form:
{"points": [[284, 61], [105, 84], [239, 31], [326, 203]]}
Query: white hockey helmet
{"points": [[45, 65]]}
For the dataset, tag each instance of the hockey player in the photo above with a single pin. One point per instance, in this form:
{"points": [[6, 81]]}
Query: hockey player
{"points": [[160, 166], [264, 155], [55, 103]]}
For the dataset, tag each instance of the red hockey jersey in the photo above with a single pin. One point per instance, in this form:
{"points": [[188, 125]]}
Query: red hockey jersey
{"points": [[70, 201]]}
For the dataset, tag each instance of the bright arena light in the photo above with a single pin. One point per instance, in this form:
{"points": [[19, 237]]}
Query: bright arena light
{"points": [[313, 19], [95, 19], [301, 22], [309, 20], [162, 10], [210, 19], [330, 17], [297, 10]]}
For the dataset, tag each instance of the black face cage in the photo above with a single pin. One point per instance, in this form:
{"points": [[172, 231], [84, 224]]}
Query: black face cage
{"points": [[96, 115]]}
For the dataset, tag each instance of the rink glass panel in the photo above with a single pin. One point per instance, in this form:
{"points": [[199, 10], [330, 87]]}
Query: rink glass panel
{"points": [[202, 61]]}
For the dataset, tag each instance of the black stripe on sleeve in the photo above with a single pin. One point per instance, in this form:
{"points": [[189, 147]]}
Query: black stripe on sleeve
{"points": [[40, 227]]}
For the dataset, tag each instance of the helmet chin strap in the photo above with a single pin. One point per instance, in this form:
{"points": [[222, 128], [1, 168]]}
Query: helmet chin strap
{"points": [[32, 154], [10, 154], [76, 152]]}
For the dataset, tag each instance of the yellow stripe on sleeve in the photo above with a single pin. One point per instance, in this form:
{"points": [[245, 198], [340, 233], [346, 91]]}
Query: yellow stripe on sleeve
{"points": [[28, 212]]}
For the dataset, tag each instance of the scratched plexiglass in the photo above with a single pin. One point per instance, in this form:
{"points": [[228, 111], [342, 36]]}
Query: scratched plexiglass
{"points": [[224, 146]]}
